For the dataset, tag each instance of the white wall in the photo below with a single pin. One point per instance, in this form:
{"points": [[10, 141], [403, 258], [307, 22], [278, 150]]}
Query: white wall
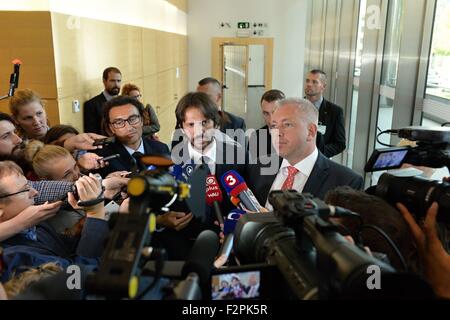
{"points": [[286, 24]]}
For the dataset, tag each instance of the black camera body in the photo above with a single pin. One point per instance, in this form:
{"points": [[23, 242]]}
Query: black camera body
{"points": [[315, 261]]}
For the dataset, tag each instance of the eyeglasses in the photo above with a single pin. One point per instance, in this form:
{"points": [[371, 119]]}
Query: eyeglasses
{"points": [[132, 120], [27, 189]]}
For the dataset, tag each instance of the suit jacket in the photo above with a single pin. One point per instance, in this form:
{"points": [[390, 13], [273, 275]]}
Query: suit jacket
{"points": [[125, 162], [326, 175], [234, 122], [332, 116], [93, 114], [179, 243], [257, 148]]}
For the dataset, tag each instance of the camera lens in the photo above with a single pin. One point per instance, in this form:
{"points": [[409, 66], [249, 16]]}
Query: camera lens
{"points": [[417, 194]]}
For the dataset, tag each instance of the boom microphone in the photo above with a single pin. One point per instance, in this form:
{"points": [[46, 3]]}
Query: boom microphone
{"points": [[235, 186]]}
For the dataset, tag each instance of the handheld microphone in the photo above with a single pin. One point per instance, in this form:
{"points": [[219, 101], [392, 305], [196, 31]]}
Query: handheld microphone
{"points": [[183, 172], [214, 196], [14, 79], [231, 220], [235, 186], [199, 264]]}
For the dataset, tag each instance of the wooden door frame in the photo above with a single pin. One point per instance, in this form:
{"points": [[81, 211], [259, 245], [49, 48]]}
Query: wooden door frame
{"points": [[217, 56]]}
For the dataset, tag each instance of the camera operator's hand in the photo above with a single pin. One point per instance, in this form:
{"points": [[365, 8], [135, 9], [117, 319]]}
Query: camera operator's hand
{"points": [[113, 185], [83, 141], [174, 220], [91, 161], [125, 206], [435, 259], [89, 188]]}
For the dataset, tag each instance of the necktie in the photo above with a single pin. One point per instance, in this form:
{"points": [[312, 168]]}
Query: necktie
{"points": [[289, 182], [137, 159]]}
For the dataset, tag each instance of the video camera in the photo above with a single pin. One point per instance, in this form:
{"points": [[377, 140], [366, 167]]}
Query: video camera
{"points": [[151, 193], [300, 250], [416, 193]]}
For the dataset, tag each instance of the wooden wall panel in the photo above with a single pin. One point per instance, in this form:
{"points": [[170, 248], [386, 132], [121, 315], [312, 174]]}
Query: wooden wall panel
{"points": [[28, 36]]}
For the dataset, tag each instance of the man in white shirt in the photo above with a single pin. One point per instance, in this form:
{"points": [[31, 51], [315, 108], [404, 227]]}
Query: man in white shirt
{"points": [[303, 167]]}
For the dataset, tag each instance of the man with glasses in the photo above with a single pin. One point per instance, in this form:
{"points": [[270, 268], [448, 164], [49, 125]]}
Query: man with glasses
{"points": [[123, 119], [41, 243]]}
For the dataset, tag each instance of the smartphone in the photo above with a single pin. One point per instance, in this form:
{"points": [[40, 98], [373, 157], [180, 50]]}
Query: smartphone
{"points": [[109, 157], [104, 141]]}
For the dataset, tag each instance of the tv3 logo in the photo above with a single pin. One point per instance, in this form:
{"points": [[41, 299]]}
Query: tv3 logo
{"points": [[230, 180]]}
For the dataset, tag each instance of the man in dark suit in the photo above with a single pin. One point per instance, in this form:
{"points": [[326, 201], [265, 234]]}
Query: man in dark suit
{"points": [[213, 88], [331, 116], [93, 108], [300, 165], [123, 119], [198, 121], [260, 141]]}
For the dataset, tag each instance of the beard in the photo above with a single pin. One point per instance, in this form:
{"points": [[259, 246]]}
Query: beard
{"points": [[114, 91], [18, 156]]}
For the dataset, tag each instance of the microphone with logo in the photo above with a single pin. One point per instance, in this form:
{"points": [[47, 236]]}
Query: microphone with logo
{"points": [[236, 187], [197, 269], [214, 197]]}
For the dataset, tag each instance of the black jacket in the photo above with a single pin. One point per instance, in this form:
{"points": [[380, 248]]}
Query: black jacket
{"points": [[234, 122], [326, 175], [93, 114], [332, 116], [125, 162]]}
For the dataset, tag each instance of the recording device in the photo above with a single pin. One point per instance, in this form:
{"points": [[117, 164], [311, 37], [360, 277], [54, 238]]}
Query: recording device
{"points": [[315, 261], [104, 141], [114, 156], [432, 150], [236, 187], [231, 219], [417, 194], [13, 79], [151, 192]]}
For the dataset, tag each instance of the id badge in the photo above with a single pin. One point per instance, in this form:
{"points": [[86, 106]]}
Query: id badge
{"points": [[322, 129]]}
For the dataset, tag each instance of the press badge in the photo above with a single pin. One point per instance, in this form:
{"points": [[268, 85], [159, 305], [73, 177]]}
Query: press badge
{"points": [[322, 129]]}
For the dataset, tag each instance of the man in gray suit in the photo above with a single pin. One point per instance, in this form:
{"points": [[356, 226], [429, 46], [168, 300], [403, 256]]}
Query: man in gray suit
{"points": [[301, 166]]}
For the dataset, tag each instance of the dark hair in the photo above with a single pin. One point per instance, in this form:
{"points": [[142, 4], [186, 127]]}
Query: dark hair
{"points": [[118, 102], [200, 101], [375, 211], [108, 70], [272, 95], [6, 117], [56, 132], [209, 80], [323, 75]]}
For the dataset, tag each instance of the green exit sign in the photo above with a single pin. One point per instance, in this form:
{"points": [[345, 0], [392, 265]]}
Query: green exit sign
{"points": [[243, 25]]}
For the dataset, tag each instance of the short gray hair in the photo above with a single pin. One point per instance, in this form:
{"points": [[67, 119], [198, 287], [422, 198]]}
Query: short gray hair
{"points": [[310, 112]]}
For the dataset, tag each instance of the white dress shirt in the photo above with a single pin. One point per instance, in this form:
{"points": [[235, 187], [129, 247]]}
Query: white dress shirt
{"points": [[209, 154], [304, 167], [140, 149]]}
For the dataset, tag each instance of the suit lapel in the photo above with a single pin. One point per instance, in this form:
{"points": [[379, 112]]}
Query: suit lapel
{"points": [[125, 157], [264, 183], [317, 176]]}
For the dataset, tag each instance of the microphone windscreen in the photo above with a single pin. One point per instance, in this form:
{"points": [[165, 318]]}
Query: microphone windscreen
{"points": [[213, 192], [202, 255], [232, 180]]}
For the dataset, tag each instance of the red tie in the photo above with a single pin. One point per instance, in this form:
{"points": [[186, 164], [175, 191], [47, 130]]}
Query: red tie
{"points": [[289, 182]]}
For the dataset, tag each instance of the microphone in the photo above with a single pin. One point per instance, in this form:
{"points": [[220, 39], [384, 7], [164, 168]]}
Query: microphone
{"points": [[183, 172], [198, 266], [14, 79], [236, 187], [231, 220], [214, 196]]}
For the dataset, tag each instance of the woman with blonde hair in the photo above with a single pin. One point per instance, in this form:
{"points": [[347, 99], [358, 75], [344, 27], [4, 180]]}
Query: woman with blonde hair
{"points": [[151, 123], [27, 109], [51, 162]]}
